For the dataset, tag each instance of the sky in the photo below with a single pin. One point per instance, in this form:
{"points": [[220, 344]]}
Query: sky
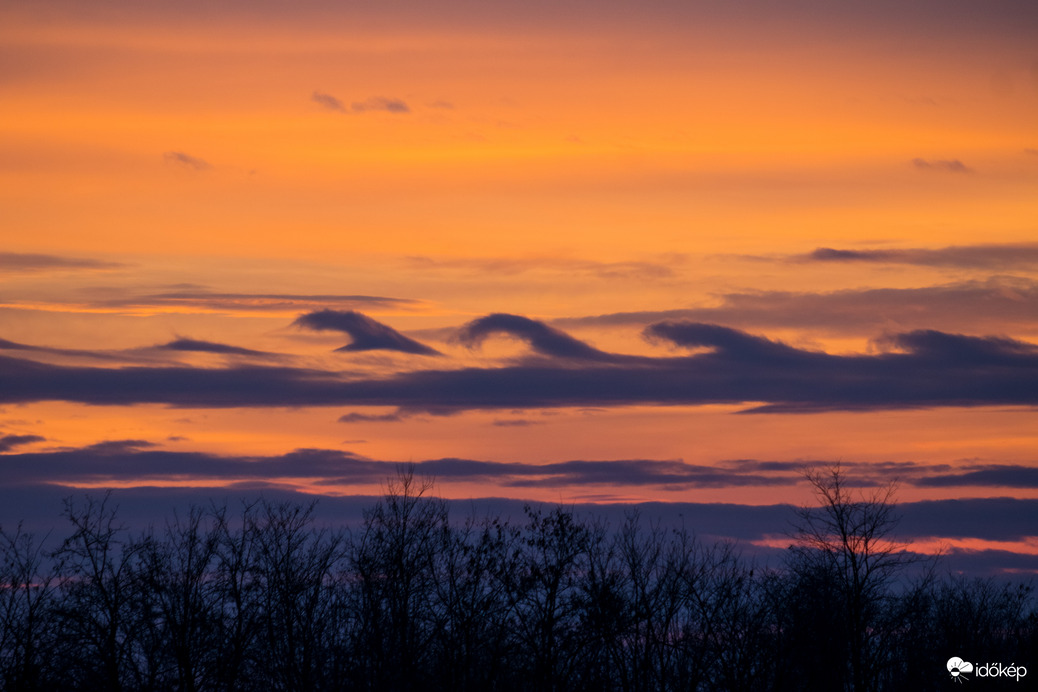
{"points": [[595, 253]]}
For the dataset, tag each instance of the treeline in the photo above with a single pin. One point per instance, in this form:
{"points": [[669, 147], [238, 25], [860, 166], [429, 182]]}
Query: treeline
{"points": [[263, 598]]}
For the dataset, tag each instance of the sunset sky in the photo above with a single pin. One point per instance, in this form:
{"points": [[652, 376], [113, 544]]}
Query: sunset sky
{"points": [[588, 252]]}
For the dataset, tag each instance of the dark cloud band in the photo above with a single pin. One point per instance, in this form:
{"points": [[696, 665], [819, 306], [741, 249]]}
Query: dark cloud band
{"points": [[931, 369]]}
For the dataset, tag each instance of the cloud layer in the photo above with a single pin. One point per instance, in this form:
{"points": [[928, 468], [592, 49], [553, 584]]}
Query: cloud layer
{"points": [[974, 305], [143, 462], [922, 368], [35, 262], [998, 257]]}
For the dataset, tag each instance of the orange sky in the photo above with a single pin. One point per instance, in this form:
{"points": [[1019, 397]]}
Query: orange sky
{"points": [[177, 171]]}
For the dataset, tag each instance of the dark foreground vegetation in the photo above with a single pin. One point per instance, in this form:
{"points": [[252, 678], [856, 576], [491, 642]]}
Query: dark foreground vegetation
{"points": [[263, 599]]}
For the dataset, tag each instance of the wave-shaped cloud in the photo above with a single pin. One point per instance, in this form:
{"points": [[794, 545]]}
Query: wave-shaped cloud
{"points": [[923, 368], [367, 334], [541, 338]]}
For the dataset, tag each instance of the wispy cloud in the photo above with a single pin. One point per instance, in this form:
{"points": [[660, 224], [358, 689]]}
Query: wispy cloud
{"points": [[355, 417], [6, 345], [984, 475], [943, 165], [179, 158], [994, 305], [32, 262], [9, 442], [998, 257], [516, 423], [196, 345], [142, 462], [380, 103], [328, 101], [203, 300], [510, 266]]}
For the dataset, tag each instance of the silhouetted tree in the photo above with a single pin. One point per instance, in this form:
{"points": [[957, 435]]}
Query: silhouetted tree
{"points": [[472, 632], [393, 559], [26, 599], [294, 564], [847, 543], [238, 592], [269, 600], [179, 602], [544, 590], [95, 614]]}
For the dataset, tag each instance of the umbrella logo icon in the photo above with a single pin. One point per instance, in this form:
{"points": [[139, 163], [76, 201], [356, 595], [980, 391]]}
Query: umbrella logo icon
{"points": [[957, 667]]}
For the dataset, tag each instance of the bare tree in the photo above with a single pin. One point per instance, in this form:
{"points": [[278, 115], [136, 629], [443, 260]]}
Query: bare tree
{"points": [[393, 560], [96, 611], [471, 607], [545, 594], [849, 538], [295, 561], [26, 596], [239, 599], [179, 602], [268, 600]]}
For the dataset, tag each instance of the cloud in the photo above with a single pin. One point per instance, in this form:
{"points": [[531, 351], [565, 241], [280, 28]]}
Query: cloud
{"points": [[724, 339], [69, 352], [39, 505], [117, 447], [209, 347], [328, 101], [354, 417], [998, 257], [921, 475], [992, 475], [996, 304], [367, 334], [15, 346], [541, 338], [139, 462], [511, 266], [380, 103], [674, 475], [996, 519], [945, 165], [9, 442], [179, 158], [991, 351], [32, 262], [212, 301], [139, 355], [919, 369]]}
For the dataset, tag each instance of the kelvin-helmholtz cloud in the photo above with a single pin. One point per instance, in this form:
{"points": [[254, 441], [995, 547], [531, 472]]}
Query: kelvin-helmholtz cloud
{"points": [[367, 334], [912, 369], [541, 338]]}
